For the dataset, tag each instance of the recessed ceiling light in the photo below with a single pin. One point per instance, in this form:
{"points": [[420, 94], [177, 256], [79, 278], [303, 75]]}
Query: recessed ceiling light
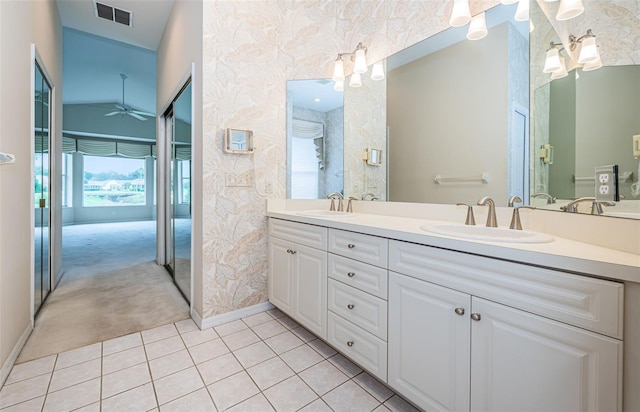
{"points": [[316, 99]]}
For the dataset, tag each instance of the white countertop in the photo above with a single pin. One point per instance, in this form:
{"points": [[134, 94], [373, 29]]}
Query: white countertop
{"points": [[562, 254]]}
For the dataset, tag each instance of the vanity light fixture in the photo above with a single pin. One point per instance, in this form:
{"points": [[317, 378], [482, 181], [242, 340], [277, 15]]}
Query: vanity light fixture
{"points": [[589, 50], [593, 65], [355, 80], [338, 70], [522, 12], [569, 9], [477, 27], [360, 66], [561, 72], [338, 85], [460, 14], [552, 61], [377, 72]]}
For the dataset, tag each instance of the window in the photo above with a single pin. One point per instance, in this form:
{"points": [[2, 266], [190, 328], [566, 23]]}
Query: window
{"points": [[41, 184], [67, 179], [184, 179], [113, 181]]}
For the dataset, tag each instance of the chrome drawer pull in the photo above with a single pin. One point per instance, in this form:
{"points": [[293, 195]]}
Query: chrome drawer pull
{"points": [[293, 252], [351, 274], [350, 343], [288, 250], [351, 245], [476, 317], [350, 306], [459, 311]]}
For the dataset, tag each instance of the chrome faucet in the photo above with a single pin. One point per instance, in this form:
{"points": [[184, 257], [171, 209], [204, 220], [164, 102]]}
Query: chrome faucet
{"points": [[350, 205], [492, 221], [470, 220], [572, 207], [516, 224], [333, 196], [550, 199], [596, 206], [371, 196]]}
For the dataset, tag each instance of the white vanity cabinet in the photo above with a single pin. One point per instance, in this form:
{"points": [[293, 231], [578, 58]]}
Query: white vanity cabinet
{"points": [[297, 280], [467, 332]]}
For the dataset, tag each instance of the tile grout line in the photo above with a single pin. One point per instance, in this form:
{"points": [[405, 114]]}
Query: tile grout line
{"points": [[46, 394]]}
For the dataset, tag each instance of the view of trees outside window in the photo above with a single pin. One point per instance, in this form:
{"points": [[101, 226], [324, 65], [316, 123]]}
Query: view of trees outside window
{"points": [[41, 188], [67, 179], [185, 181], [113, 181]]}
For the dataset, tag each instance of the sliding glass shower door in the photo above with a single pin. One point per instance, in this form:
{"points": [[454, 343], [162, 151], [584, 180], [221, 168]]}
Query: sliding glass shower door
{"points": [[42, 110]]}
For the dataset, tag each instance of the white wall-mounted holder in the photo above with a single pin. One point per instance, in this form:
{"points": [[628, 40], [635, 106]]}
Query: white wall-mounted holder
{"points": [[7, 158], [238, 141]]}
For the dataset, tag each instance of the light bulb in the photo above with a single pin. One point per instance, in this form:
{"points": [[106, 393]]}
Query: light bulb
{"points": [[460, 14], [356, 80], [588, 51], [338, 85], [562, 72], [569, 9], [360, 66], [377, 72], [338, 70], [552, 61], [477, 27], [522, 12]]}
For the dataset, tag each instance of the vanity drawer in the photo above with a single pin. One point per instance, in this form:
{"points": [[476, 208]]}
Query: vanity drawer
{"points": [[361, 346], [365, 248], [359, 308], [360, 275], [302, 233], [589, 303]]}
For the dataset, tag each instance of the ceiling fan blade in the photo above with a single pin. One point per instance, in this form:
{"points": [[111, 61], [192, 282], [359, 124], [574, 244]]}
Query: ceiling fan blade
{"points": [[143, 113], [112, 113], [121, 107], [137, 116]]}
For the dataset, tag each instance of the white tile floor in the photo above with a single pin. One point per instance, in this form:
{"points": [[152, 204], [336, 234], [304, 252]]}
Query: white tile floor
{"points": [[264, 362]]}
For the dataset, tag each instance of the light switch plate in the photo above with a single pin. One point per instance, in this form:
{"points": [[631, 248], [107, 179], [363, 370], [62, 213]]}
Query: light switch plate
{"points": [[606, 183], [636, 146]]}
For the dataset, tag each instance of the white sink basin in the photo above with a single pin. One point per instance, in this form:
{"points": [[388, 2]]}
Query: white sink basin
{"points": [[492, 234], [325, 213]]}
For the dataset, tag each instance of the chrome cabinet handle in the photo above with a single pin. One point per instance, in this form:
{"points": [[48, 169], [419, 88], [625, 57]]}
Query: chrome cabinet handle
{"points": [[350, 306], [351, 245], [351, 274], [350, 343], [288, 250], [293, 252], [459, 311], [476, 317]]}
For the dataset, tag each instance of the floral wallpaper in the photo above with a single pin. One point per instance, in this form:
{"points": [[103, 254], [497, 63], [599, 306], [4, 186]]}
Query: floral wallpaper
{"points": [[250, 50]]}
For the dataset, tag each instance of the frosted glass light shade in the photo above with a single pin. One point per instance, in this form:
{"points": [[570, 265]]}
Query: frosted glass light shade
{"points": [[377, 72], [594, 65], [356, 80], [531, 26], [460, 14], [589, 51], [508, 1], [338, 85], [477, 27], [338, 71], [522, 12], [360, 66], [552, 61], [562, 72], [569, 9]]}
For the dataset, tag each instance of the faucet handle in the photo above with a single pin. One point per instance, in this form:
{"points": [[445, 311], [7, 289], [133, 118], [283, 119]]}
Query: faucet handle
{"points": [[349, 205], [470, 220], [333, 205], [596, 206], [515, 219]]}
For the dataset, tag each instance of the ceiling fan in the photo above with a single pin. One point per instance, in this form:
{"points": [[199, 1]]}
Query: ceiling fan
{"points": [[125, 109]]}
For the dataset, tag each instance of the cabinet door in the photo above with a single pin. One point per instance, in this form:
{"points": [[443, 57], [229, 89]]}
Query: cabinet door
{"points": [[280, 281], [310, 289], [524, 362], [429, 343]]}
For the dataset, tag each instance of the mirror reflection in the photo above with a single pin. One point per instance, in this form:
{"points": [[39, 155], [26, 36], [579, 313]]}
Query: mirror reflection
{"points": [[315, 130]]}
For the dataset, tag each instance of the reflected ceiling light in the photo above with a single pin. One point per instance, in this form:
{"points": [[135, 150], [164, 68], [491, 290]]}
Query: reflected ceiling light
{"points": [[377, 72], [477, 27], [338, 85], [460, 14], [338, 70], [589, 50], [569, 9], [355, 80], [522, 12], [562, 72], [552, 60]]}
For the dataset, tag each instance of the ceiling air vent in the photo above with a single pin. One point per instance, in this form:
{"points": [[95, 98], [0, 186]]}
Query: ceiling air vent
{"points": [[113, 14]]}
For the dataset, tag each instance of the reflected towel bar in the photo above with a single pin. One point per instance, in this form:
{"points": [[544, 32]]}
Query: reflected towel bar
{"points": [[484, 179]]}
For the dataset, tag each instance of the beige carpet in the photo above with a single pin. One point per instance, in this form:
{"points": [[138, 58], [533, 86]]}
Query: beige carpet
{"points": [[88, 309]]}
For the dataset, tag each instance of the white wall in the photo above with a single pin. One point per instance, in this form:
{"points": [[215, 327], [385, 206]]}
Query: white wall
{"points": [[21, 24], [181, 45]]}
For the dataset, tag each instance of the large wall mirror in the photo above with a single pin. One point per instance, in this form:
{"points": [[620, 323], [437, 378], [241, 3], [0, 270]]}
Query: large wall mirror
{"points": [[458, 119]]}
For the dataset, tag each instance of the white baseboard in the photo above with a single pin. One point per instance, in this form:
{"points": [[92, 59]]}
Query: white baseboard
{"points": [[207, 323], [11, 360]]}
